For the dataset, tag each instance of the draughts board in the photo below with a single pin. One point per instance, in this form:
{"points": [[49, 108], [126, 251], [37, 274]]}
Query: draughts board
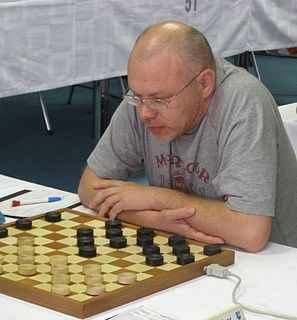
{"points": [[53, 238]]}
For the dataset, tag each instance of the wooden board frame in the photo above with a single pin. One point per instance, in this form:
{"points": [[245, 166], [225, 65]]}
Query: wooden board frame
{"points": [[118, 297]]}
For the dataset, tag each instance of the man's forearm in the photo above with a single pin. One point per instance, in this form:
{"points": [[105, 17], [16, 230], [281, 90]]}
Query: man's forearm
{"points": [[86, 191], [213, 217]]}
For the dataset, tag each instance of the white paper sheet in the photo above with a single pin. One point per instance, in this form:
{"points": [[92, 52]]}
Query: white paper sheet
{"points": [[29, 210]]}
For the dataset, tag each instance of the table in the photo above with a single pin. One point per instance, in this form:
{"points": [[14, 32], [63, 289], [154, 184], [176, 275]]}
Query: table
{"points": [[268, 282], [47, 44]]}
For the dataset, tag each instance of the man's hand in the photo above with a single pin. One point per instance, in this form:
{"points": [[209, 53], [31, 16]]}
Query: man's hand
{"points": [[115, 196]]}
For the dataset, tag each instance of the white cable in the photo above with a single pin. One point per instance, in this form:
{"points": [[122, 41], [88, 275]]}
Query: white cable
{"points": [[223, 272]]}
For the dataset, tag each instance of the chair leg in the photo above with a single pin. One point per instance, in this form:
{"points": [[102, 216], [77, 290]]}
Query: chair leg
{"points": [[256, 65], [105, 95], [44, 113], [97, 110], [70, 94], [122, 85]]}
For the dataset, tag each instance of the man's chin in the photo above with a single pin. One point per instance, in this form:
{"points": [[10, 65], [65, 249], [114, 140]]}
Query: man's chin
{"points": [[164, 137], [162, 134]]}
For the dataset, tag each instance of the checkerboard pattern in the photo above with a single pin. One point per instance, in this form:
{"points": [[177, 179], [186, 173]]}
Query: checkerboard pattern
{"points": [[51, 238]]}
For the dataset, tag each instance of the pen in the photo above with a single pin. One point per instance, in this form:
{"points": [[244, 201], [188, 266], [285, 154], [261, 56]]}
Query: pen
{"points": [[17, 203]]}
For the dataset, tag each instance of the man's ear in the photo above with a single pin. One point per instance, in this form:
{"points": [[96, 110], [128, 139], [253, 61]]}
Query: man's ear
{"points": [[206, 82]]}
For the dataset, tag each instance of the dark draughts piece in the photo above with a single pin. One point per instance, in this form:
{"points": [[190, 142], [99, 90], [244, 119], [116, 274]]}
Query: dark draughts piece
{"points": [[180, 249], [84, 232], [185, 258], [176, 240], [85, 241], [154, 260], [145, 241], [118, 242], [87, 251], [53, 216], [23, 224], [211, 249], [3, 232], [111, 233], [145, 232], [151, 249], [113, 224]]}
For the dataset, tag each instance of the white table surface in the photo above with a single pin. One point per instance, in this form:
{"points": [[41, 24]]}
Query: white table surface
{"points": [[269, 282], [47, 44]]}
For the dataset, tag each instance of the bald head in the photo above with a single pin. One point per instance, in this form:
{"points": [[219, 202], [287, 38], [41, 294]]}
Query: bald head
{"points": [[171, 37]]}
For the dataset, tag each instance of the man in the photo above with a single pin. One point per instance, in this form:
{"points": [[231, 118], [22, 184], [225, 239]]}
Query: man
{"points": [[209, 136]]}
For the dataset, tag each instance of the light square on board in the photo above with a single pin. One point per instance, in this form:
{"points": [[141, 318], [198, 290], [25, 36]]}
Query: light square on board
{"points": [[105, 259], [110, 277], [44, 286], [43, 268], [43, 250], [39, 232], [95, 224], [10, 258], [139, 268], [69, 250], [43, 278], [112, 286], [135, 258], [68, 241], [67, 232], [41, 241], [128, 232], [77, 278], [9, 249], [68, 224], [68, 215], [108, 268], [80, 297], [9, 240], [78, 288], [13, 276], [40, 223]]}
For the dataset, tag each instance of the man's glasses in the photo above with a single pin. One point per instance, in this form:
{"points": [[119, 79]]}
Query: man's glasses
{"points": [[155, 103]]}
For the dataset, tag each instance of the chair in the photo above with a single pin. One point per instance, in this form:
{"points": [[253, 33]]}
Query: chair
{"points": [[289, 115], [247, 59], [45, 114], [101, 95]]}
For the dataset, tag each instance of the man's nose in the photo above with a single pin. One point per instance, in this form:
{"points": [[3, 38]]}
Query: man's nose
{"points": [[146, 112]]}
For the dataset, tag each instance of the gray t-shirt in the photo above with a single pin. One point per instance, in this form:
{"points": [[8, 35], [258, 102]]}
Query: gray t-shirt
{"points": [[239, 153]]}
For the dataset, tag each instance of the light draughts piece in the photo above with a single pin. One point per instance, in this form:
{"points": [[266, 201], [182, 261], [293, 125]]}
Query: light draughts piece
{"points": [[59, 268], [26, 250], [95, 289], [91, 268], [60, 278], [25, 241], [58, 259], [61, 289], [27, 269], [127, 277], [26, 259], [93, 278]]}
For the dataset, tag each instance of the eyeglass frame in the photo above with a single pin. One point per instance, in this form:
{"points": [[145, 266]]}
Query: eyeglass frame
{"points": [[164, 102]]}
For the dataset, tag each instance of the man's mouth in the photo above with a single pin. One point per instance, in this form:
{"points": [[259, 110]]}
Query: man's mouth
{"points": [[155, 129]]}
